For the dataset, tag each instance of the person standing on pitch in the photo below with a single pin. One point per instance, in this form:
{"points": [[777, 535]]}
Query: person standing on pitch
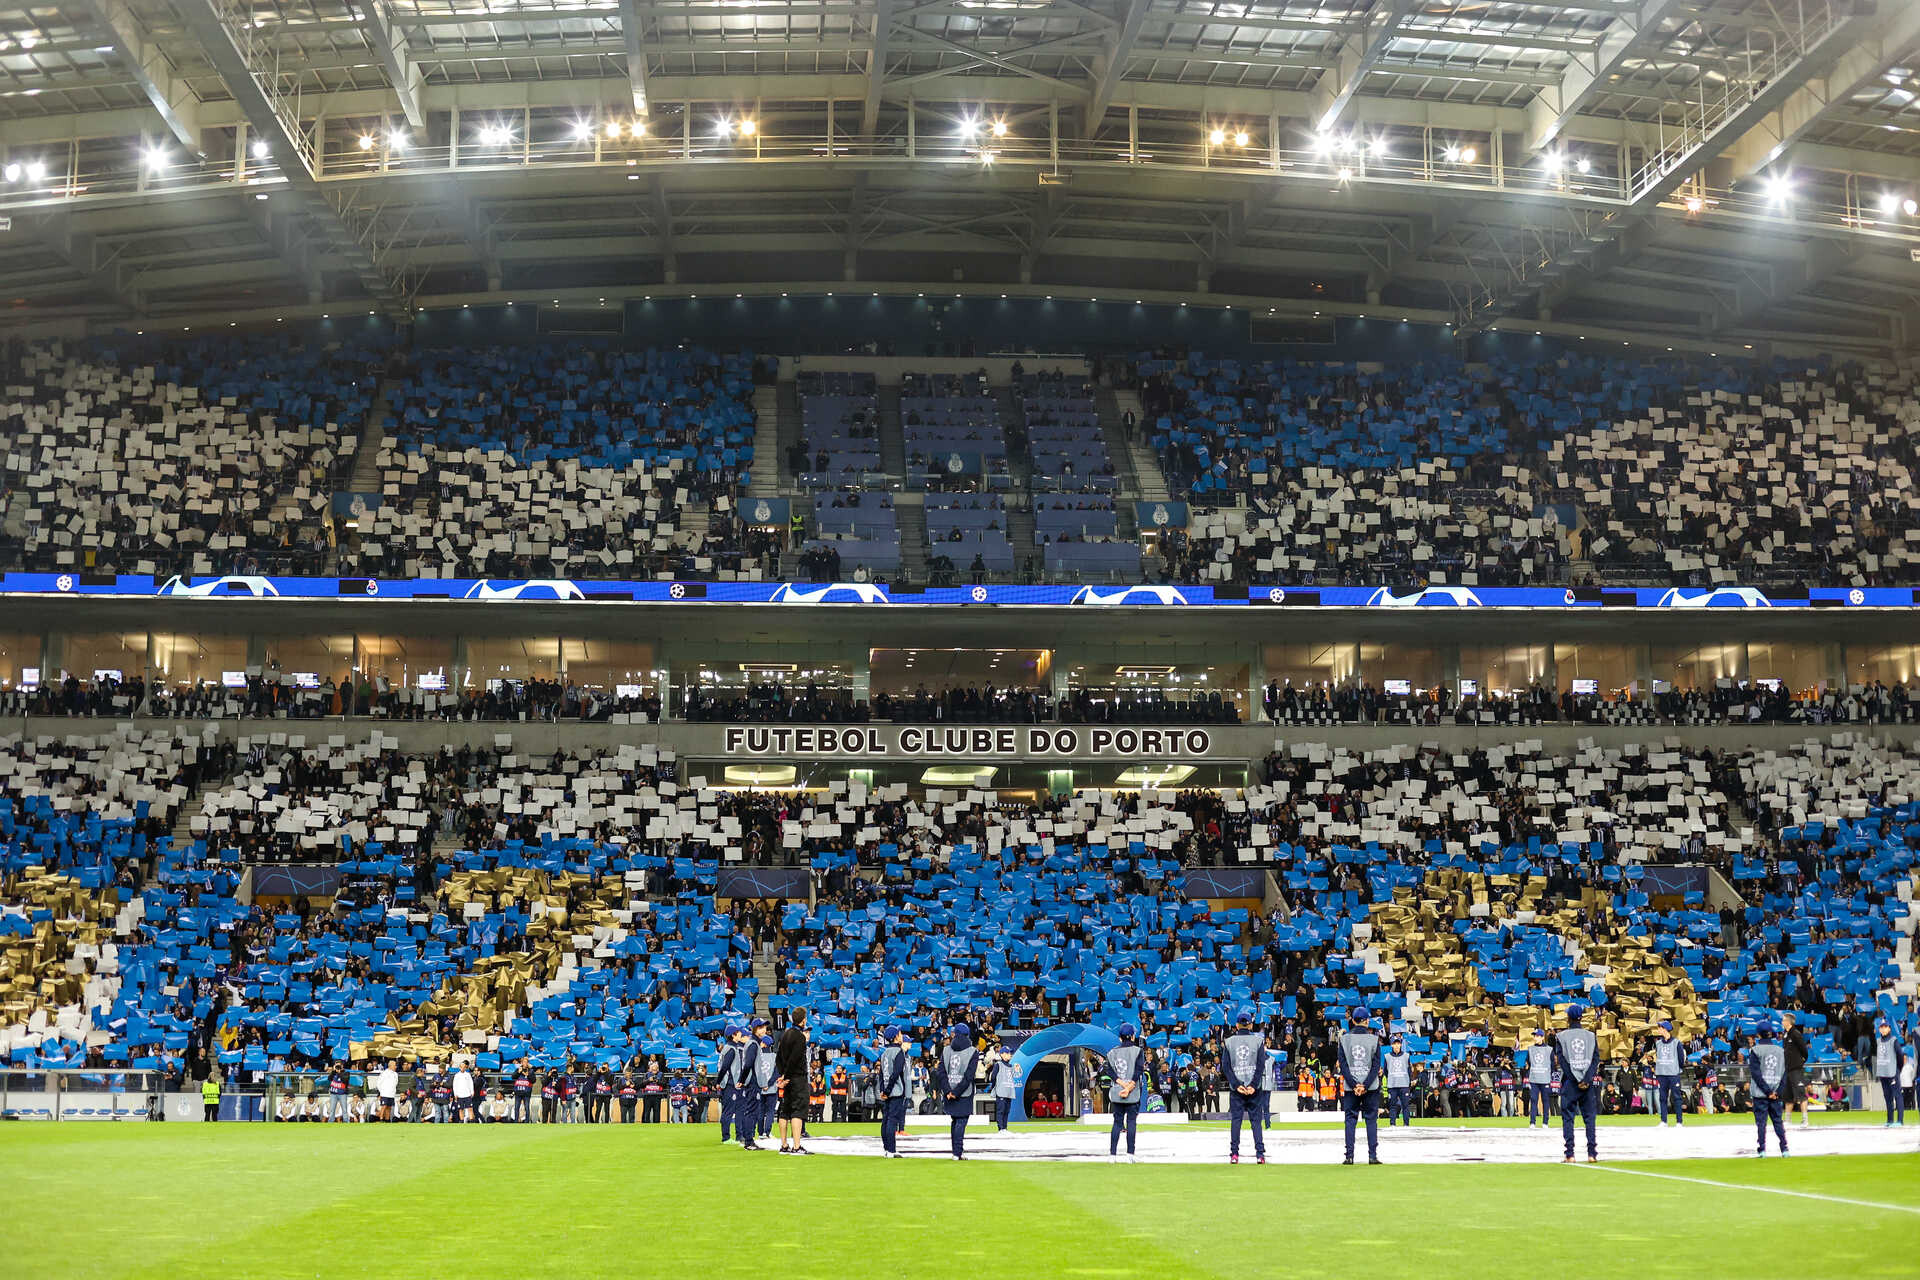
{"points": [[1127, 1062], [1577, 1052], [1248, 1069], [896, 1090], [1888, 1058], [746, 1109], [1766, 1083], [790, 1058], [1399, 1071], [1539, 1077], [1004, 1084], [725, 1078], [955, 1067], [1666, 1075], [765, 1073], [1360, 1072]]}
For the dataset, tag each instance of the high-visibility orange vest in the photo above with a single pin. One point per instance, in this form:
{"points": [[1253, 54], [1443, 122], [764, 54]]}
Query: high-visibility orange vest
{"points": [[1305, 1085], [1329, 1087]]}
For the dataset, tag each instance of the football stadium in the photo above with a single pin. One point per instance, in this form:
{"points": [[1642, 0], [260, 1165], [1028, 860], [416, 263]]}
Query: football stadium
{"points": [[1289, 627]]}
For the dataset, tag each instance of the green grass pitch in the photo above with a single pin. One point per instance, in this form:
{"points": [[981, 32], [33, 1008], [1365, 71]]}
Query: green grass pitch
{"points": [[231, 1200]]}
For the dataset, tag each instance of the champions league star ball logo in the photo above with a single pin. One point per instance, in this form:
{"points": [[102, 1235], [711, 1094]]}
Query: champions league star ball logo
{"points": [[1277, 595], [63, 583], [762, 512], [979, 595], [1856, 596], [678, 591]]}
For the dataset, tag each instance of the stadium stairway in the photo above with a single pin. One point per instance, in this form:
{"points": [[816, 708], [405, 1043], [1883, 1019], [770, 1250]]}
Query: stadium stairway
{"points": [[1149, 481], [763, 973], [365, 476], [1107, 403], [893, 435], [1020, 534], [788, 426], [768, 455], [910, 516]]}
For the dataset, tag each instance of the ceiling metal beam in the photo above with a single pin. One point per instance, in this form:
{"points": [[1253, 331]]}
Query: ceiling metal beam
{"points": [[83, 253], [174, 102], [876, 67], [630, 32], [1770, 139], [1337, 86], [1587, 74], [390, 47], [352, 236], [1711, 126], [1113, 66]]}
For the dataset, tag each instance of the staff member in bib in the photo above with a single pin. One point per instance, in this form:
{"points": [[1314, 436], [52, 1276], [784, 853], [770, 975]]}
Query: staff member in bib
{"points": [[1127, 1063], [896, 1089], [1399, 1072], [955, 1067], [1766, 1086], [1360, 1071], [1248, 1069], [1004, 1083], [790, 1059], [1666, 1075], [1576, 1051], [1888, 1057], [653, 1090], [1539, 1078], [629, 1097], [550, 1097], [766, 1072]]}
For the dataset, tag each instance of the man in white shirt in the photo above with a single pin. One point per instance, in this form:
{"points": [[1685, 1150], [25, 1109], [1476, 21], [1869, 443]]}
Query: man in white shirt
{"points": [[463, 1096], [386, 1084]]}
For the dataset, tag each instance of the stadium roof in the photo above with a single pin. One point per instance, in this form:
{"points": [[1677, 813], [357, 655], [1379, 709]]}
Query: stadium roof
{"points": [[1733, 170]]}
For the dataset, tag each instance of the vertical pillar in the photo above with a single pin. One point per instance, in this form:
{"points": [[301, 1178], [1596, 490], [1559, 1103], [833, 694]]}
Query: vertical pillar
{"points": [[54, 660], [1643, 676], [1256, 683], [1833, 666], [1550, 669], [1273, 139], [240, 152], [911, 140], [1133, 133], [526, 135], [1053, 130], [829, 126], [319, 146], [457, 666], [453, 138], [1742, 664], [860, 663], [1450, 668], [686, 131]]}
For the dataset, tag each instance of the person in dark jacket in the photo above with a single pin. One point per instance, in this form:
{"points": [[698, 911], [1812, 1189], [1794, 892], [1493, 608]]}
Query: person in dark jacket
{"points": [[1766, 1086], [1360, 1060], [1576, 1051], [954, 1069], [790, 1060]]}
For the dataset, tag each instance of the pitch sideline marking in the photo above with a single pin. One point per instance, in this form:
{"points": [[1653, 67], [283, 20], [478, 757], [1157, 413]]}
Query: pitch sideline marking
{"points": [[1747, 1186]]}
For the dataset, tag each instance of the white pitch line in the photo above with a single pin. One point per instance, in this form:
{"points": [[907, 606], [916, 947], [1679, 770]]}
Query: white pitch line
{"points": [[1747, 1186]]}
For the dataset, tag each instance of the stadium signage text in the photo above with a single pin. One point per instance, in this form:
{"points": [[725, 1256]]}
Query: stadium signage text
{"points": [[960, 742]]}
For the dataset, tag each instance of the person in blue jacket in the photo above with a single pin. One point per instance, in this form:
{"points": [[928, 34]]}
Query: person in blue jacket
{"points": [[726, 1080], [1889, 1057], [955, 1068], [1399, 1074], [746, 1107], [1576, 1051], [1127, 1062], [1360, 1061], [1004, 1083], [1766, 1086], [1248, 1069]]}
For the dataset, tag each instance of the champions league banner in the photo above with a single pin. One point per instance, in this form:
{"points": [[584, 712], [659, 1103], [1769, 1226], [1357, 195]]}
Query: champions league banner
{"points": [[872, 594]]}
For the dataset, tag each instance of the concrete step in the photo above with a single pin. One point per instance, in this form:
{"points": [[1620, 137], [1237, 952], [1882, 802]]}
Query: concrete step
{"points": [[365, 476], [911, 517], [765, 478]]}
